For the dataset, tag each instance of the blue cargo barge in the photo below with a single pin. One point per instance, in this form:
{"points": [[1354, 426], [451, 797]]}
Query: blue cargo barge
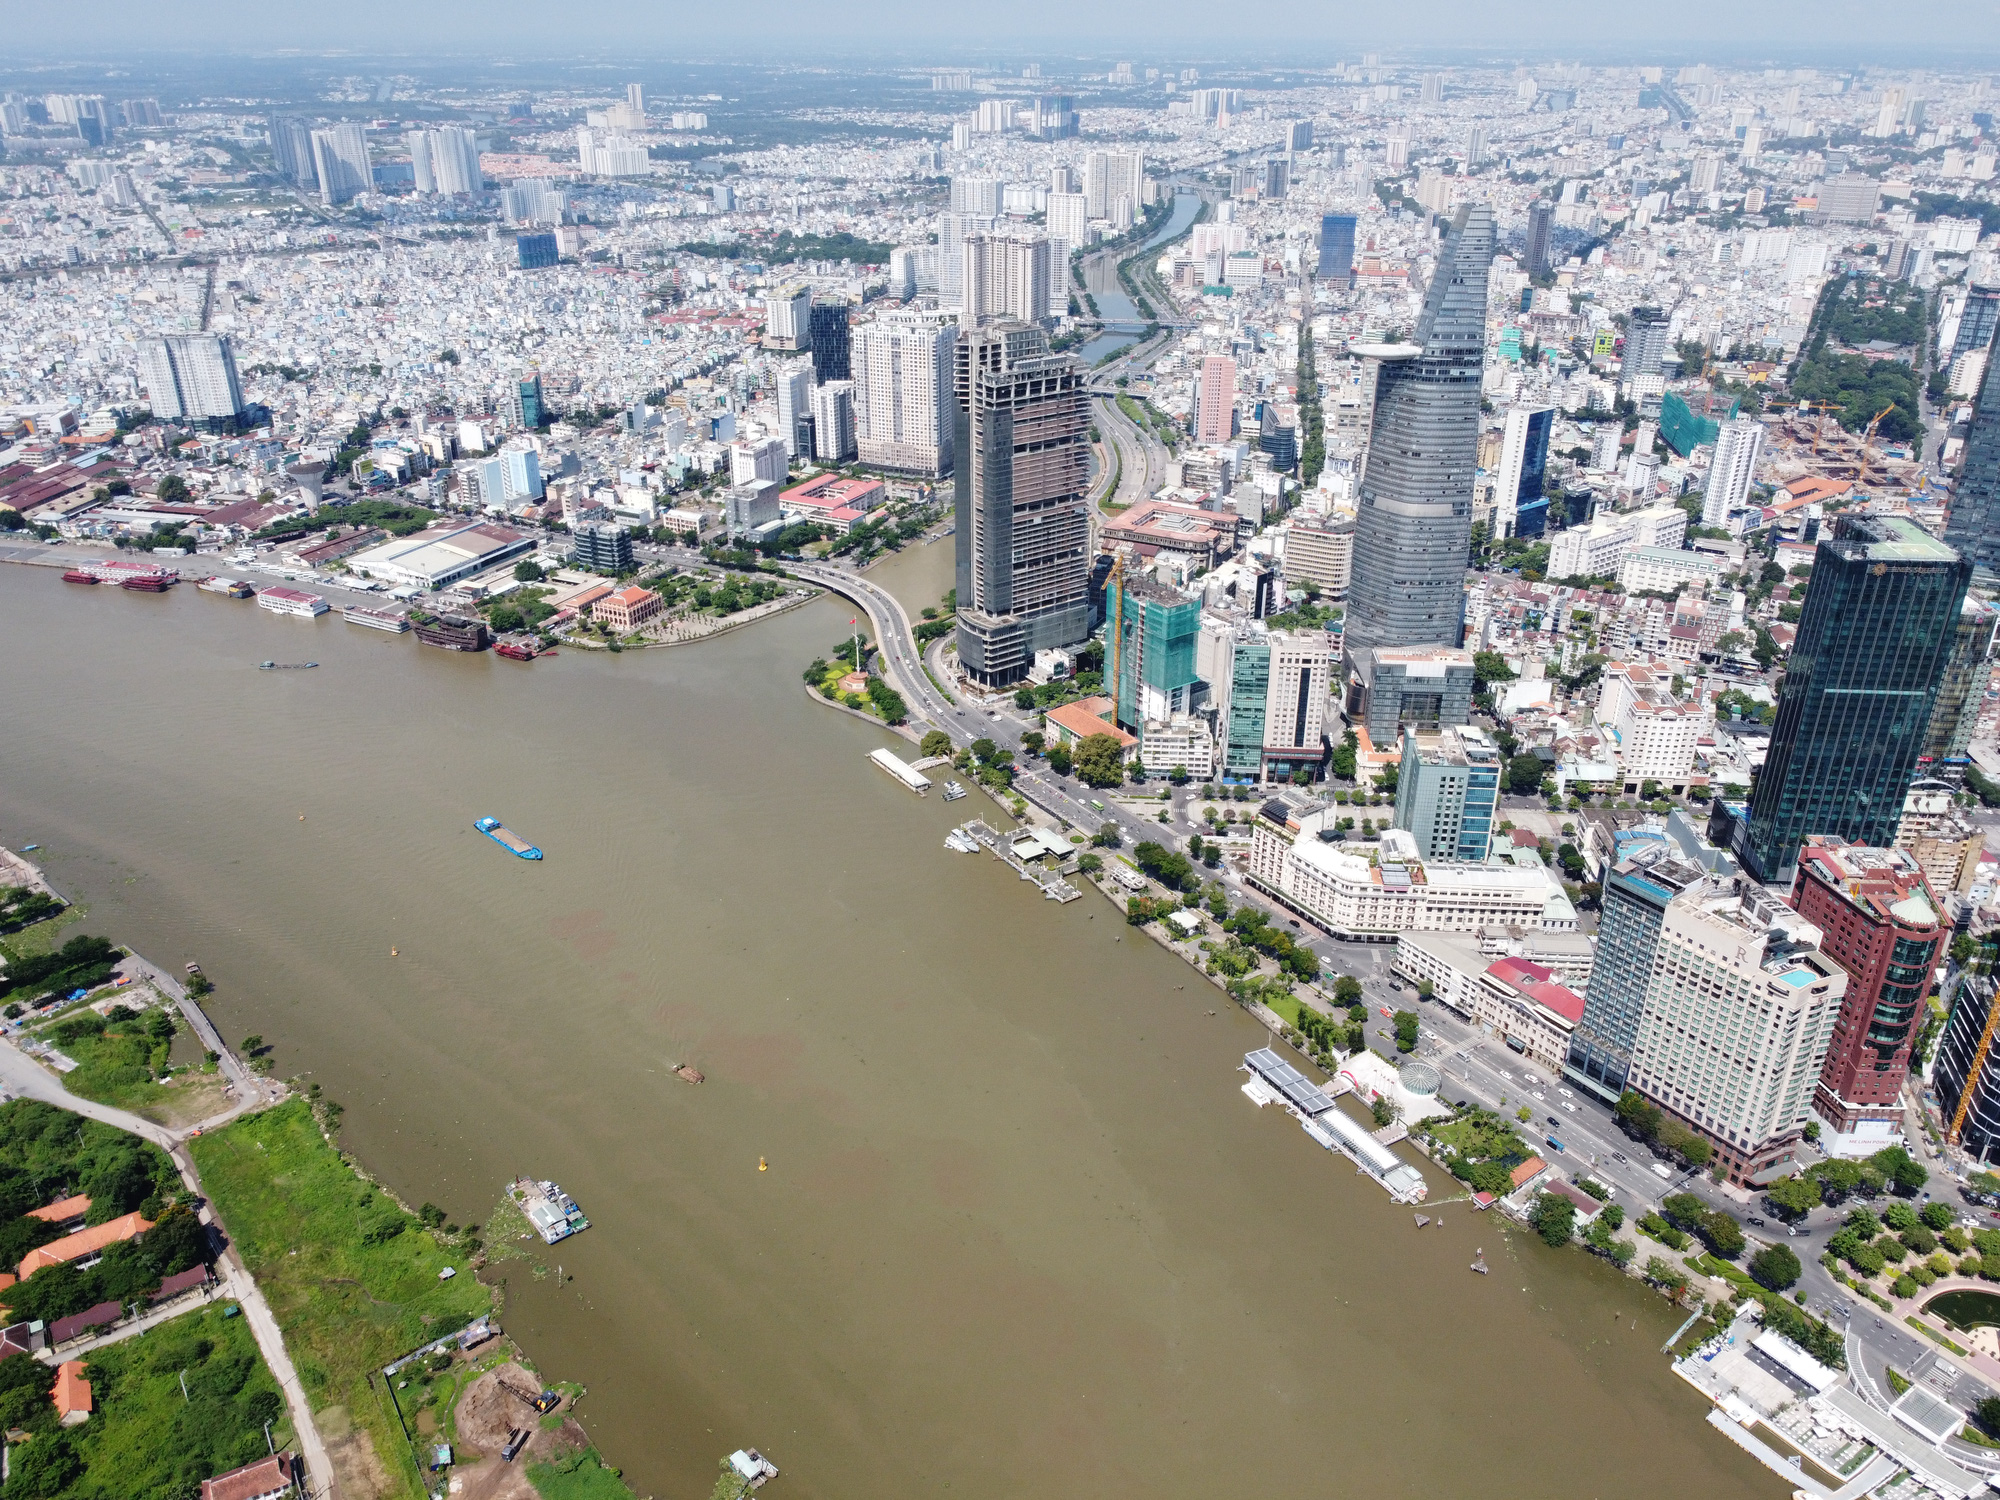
{"points": [[511, 842]]}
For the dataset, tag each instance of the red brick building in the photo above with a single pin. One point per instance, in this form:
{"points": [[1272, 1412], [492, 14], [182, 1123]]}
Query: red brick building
{"points": [[1883, 926]]}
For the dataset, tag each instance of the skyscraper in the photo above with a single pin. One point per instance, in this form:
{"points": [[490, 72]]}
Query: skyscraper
{"points": [[833, 421], [190, 375], [902, 384], [1961, 692], [1880, 923], [1541, 219], [455, 160], [1645, 343], [292, 150], [1336, 248], [1215, 411], [1021, 448], [423, 175], [1973, 523], [1008, 276], [1874, 638], [1739, 1009], [1737, 447], [1150, 648], [1637, 888], [1446, 791], [795, 388], [340, 157], [1109, 176], [1519, 506], [830, 346], [1976, 320], [1415, 513]]}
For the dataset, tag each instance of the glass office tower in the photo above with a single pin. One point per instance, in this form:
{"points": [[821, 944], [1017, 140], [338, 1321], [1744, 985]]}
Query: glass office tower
{"points": [[1880, 620]]}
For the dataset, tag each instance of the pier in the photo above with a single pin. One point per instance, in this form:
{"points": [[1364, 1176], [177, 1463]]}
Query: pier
{"points": [[1054, 887]]}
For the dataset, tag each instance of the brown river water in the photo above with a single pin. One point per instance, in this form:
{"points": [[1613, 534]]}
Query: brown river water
{"points": [[1020, 1234]]}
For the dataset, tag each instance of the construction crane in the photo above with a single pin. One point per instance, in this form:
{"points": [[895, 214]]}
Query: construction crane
{"points": [[1868, 442]]}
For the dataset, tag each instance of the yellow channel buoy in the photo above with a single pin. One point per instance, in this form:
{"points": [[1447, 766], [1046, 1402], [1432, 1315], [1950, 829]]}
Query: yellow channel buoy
{"points": [[302, 817], [762, 1165]]}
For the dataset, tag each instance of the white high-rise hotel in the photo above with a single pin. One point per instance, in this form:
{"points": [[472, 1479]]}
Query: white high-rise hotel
{"points": [[902, 365]]}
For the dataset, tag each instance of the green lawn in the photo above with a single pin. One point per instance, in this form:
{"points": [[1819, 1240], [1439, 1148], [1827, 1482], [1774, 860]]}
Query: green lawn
{"points": [[123, 1063], [1710, 1265], [580, 1476], [145, 1437], [362, 1287], [42, 937]]}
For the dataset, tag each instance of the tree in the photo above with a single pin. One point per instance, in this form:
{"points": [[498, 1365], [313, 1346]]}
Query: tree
{"points": [[1774, 1268], [1341, 763], [1837, 1177], [937, 742], [1794, 1196], [983, 750], [1024, 698], [1100, 761], [1059, 759], [1089, 864], [1553, 1218], [1347, 991], [1897, 1166], [1723, 1234], [1406, 1031], [1489, 667], [1107, 836], [172, 490], [1937, 1216], [1987, 1415], [1524, 774], [528, 572], [1636, 1117]]}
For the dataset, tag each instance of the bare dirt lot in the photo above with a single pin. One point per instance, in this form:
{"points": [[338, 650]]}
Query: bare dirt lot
{"points": [[487, 1413]]}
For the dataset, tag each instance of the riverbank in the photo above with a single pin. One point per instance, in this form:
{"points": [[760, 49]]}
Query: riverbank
{"points": [[1106, 1218]]}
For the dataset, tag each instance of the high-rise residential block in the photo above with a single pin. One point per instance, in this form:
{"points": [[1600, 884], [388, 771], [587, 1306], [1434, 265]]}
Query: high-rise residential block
{"points": [[1215, 410], [1738, 445], [1973, 522], [1336, 248], [1414, 524], [340, 158], [535, 252], [765, 458], [903, 390], [1874, 638], [1446, 790], [788, 318], [1520, 508], [1069, 219], [1881, 923], [1637, 888], [1739, 1011], [833, 421], [1021, 474], [292, 150], [454, 153], [1977, 320], [1109, 176], [190, 376], [1646, 343], [1011, 277]]}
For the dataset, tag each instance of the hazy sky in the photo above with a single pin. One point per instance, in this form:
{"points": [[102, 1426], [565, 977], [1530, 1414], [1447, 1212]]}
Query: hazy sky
{"points": [[1272, 31]]}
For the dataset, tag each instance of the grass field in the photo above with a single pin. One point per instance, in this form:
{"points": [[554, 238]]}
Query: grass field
{"points": [[42, 937], [145, 1437], [351, 1277], [124, 1064]]}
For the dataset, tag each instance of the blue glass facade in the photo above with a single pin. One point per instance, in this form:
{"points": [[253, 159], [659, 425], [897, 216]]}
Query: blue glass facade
{"points": [[1880, 619], [1336, 248], [1249, 687], [534, 251]]}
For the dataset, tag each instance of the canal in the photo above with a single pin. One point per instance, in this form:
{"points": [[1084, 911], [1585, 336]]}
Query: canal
{"points": [[1021, 1233], [1122, 318]]}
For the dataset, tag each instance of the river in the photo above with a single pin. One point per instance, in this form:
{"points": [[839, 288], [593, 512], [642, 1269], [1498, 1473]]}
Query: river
{"points": [[1020, 1232], [1122, 318]]}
